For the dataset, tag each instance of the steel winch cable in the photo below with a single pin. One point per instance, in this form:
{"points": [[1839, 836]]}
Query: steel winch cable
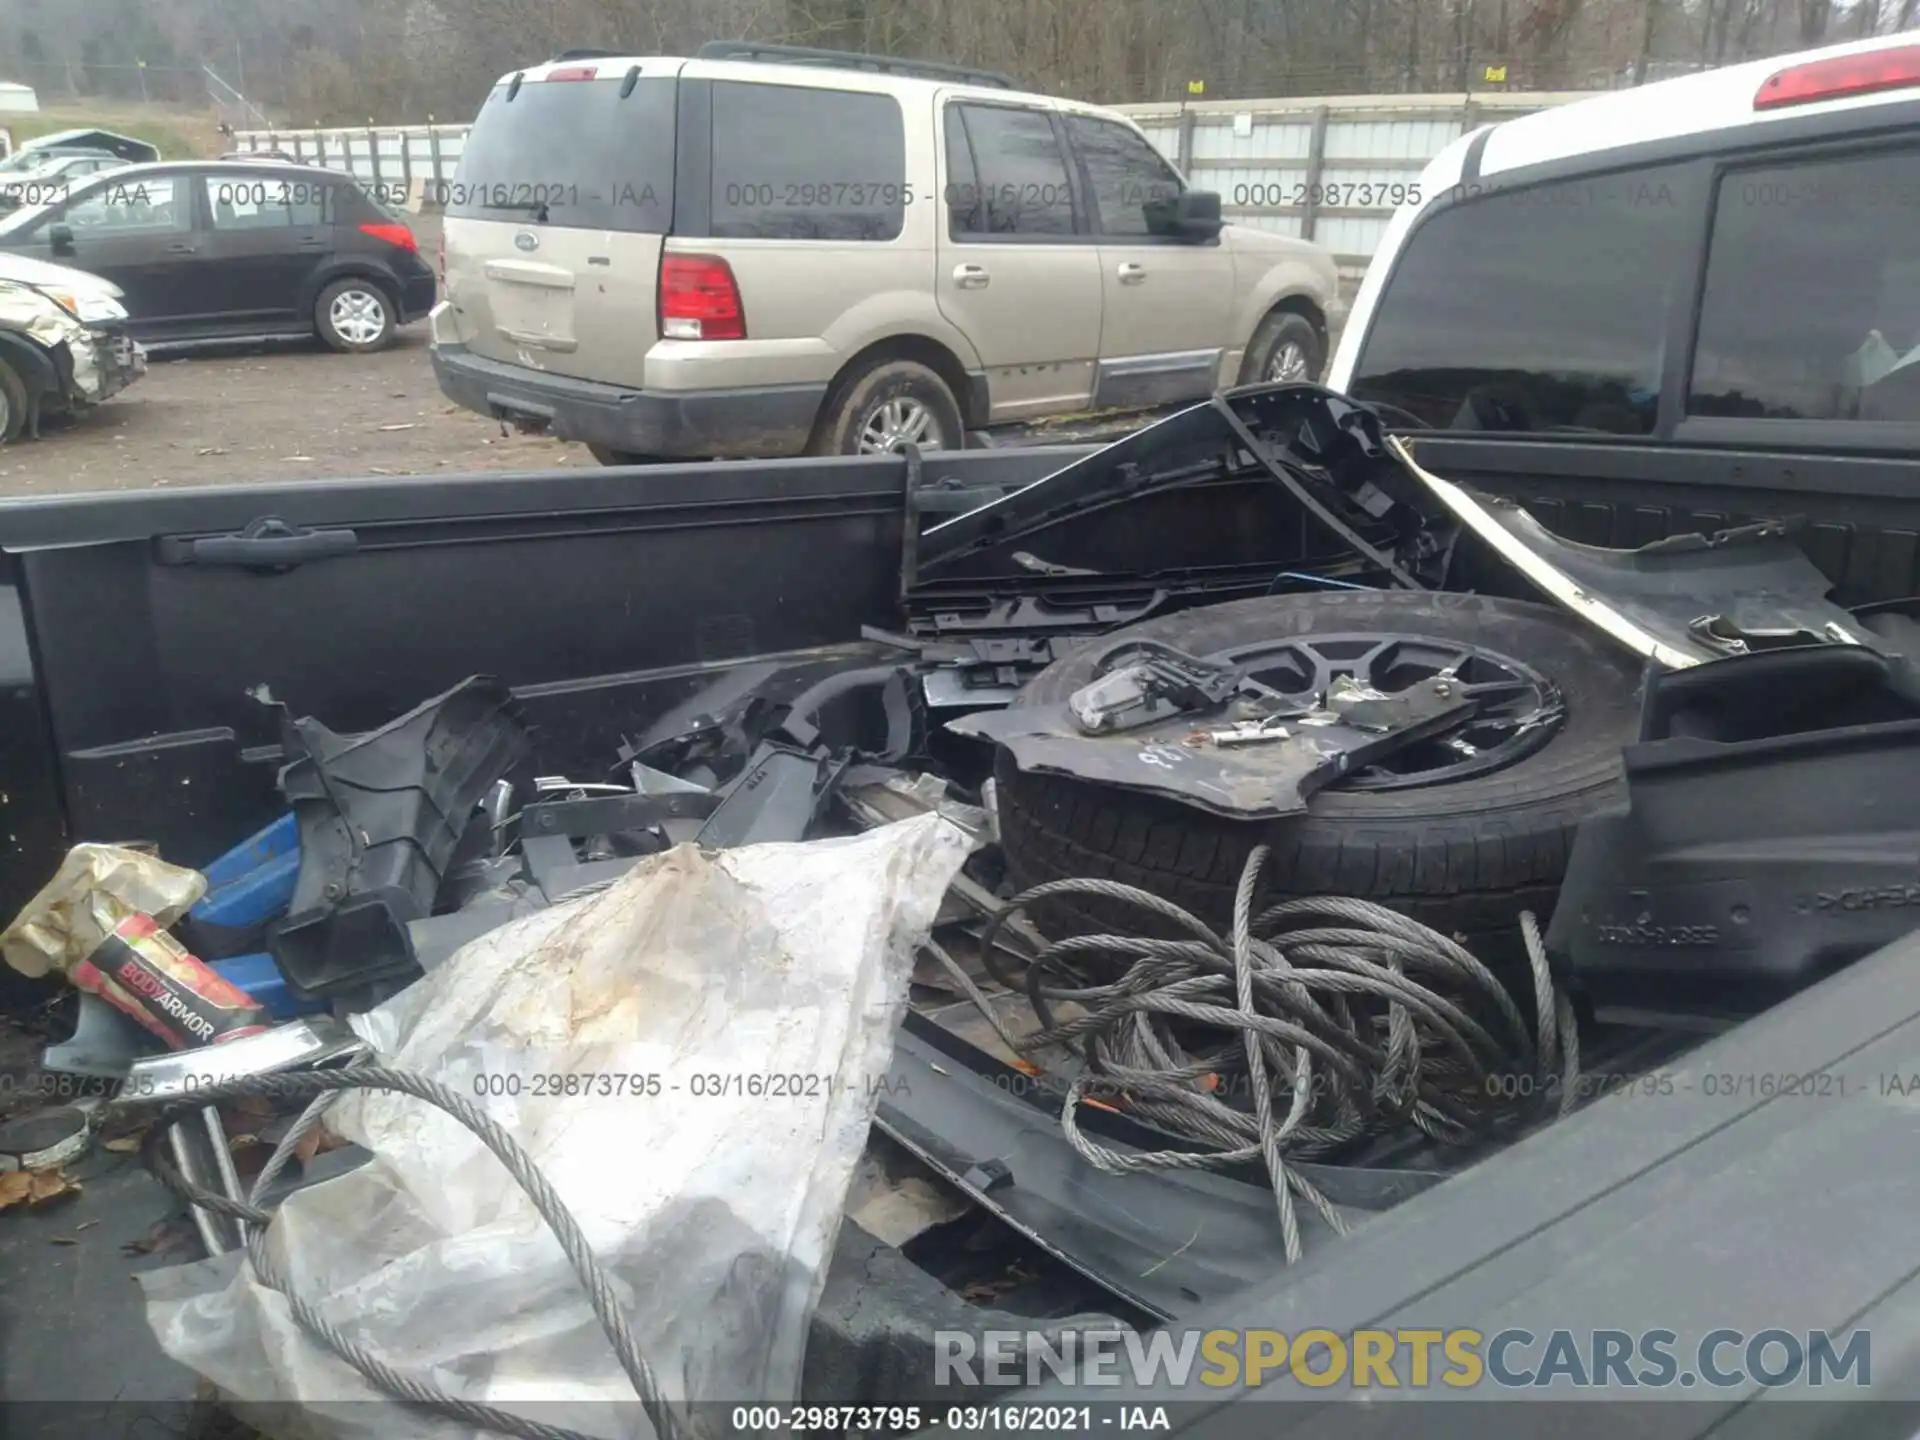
{"points": [[320, 1088], [1352, 1021]]}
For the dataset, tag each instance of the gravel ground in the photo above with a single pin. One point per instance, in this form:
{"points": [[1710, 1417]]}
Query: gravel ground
{"points": [[289, 412]]}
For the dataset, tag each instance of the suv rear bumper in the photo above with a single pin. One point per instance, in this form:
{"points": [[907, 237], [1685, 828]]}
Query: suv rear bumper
{"points": [[769, 421]]}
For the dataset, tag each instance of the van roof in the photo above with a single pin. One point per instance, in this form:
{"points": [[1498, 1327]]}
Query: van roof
{"points": [[1689, 105], [612, 67]]}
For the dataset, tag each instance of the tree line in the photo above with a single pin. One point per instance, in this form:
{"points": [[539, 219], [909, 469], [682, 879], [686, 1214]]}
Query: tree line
{"points": [[345, 62]]}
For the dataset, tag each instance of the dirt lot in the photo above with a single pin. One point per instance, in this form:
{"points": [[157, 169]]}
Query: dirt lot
{"points": [[290, 412]]}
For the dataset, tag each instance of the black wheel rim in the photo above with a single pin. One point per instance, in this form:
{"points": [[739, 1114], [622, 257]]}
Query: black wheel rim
{"points": [[1520, 709]]}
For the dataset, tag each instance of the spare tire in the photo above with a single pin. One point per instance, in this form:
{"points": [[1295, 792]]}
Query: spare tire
{"points": [[1461, 846]]}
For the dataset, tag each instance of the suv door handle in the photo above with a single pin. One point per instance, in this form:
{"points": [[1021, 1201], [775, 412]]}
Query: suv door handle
{"points": [[971, 277], [1131, 273]]}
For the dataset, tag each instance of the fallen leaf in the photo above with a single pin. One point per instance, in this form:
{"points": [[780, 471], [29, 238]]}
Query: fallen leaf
{"points": [[122, 1144], [35, 1187], [62, 1240], [212, 450], [85, 1225], [51, 1185], [407, 426], [296, 457], [315, 1142]]}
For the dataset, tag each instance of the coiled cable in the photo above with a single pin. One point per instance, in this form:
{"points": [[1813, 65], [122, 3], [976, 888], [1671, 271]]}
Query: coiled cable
{"points": [[1340, 1018], [320, 1088]]}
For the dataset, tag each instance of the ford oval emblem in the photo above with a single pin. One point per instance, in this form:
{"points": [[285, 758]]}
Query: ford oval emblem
{"points": [[527, 240]]}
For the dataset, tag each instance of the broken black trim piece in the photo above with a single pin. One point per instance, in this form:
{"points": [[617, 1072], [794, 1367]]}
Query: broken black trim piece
{"points": [[381, 815], [1759, 845], [1166, 1241], [1220, 746]]}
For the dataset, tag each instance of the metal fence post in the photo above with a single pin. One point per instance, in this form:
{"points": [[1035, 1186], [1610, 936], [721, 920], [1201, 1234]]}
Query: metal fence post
{"points": [[433, 161], [373, 152], [320, 148], [1186, 141], [1316, 168]]}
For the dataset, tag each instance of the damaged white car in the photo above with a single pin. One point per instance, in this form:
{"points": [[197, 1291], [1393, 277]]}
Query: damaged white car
{"points": [[64, 345]]}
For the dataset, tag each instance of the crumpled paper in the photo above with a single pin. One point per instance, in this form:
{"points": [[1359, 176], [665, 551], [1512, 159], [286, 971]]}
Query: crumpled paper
{"points": [[692, 1058]]}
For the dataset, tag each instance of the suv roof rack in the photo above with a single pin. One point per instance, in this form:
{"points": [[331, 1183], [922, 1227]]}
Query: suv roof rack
{"points": [[851, 60], [587, 55]]}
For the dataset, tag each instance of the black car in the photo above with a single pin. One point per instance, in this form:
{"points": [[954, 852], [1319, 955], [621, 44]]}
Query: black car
{"points": [[223, 251]]}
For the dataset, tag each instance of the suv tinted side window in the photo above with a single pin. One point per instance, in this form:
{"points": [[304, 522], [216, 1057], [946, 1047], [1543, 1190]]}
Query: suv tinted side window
{"points": [[795, 163], [1535, 309], [1127, 175], [1812, 302], [1020, 184]]}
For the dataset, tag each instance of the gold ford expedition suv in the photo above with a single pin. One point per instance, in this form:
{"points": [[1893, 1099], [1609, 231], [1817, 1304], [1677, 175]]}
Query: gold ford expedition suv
{"points": [[768, 251]]}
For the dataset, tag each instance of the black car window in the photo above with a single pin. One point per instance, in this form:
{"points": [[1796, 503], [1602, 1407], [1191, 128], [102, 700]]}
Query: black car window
{"points": [[248, 202], [1812, 301], [573, 153], [793, 162], [118, 205], [1127, 175], [1535, 309], [1020, 185]]}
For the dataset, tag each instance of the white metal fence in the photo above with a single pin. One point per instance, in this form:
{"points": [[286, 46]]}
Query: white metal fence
{"points": [[394, 161], [1331, 170]]}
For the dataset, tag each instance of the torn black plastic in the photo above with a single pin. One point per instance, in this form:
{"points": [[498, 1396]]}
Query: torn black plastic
{"points": [[381, 816], [1769, 835], [1247, 758]]}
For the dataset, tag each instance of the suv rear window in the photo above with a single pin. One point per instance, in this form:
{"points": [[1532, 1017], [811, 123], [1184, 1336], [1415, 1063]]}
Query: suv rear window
{"points": [[1812, 303], [571, 153], [794, 162], [1535, 309]]}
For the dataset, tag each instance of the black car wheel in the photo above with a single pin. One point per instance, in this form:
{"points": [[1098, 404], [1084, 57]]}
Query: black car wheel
{"points": [[355, 316], [1462, 840]]}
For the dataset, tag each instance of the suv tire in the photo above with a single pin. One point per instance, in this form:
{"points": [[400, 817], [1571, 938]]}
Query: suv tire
{"points": [[1465, 857], [1285, 338], [888, 396], [355, 316]]}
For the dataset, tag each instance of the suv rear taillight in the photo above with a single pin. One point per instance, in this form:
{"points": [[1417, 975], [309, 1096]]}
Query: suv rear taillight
{"points": [[699, 299], [1842, 76], [393, 233]]}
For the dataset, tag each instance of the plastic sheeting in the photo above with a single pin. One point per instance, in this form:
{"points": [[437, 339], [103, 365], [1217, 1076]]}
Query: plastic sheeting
{"points": [[692, 1058]]}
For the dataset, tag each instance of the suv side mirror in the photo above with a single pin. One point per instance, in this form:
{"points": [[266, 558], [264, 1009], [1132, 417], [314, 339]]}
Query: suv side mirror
{"points": [[1192, 215], [60, 237]]}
